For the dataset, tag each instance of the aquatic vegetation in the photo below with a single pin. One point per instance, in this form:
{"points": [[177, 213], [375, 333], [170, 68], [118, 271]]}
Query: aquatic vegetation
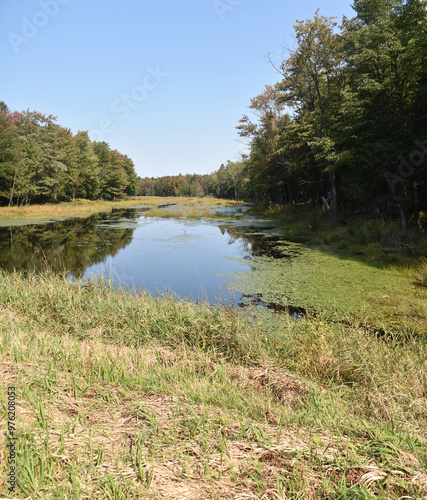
{"points": [[30, 214], [323, 365], [319, 279]]}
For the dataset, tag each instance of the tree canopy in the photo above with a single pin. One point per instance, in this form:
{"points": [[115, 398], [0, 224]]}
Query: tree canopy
{"points": [[345, 126], [41, 161], [355, 131]]}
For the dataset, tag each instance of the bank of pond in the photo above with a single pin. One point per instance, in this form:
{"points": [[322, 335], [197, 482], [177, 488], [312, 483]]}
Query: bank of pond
{"points": [[224, 255]]}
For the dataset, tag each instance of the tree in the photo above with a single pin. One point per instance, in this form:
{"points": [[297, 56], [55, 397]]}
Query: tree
{"points": [[9, 153], [381, 112], [313, 81], [85, 170]]}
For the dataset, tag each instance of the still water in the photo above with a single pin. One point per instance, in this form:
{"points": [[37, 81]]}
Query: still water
{"points": [[240, 260], [191, 258]]}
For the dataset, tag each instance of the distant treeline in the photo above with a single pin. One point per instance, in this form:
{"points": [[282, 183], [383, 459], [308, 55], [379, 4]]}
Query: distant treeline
{"points": [[347, 122], [42, 162], [217, 184]]}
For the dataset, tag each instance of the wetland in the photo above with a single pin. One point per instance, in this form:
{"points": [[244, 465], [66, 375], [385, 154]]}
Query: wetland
{"points": [[197, 336], [216, 254]]}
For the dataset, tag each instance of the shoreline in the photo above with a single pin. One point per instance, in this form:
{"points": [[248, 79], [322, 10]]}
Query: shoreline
{"points": [[182, 397]]}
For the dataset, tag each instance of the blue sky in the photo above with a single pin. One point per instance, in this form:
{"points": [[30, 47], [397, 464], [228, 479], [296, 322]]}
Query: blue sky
{"points": [[163, 81]]}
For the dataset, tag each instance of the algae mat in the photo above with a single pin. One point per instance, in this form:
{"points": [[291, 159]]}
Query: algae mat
{"points": [[316, 279]]}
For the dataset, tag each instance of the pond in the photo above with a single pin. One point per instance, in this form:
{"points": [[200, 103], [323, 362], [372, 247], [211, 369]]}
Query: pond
{"points": [[190, 258], [236, 259]]}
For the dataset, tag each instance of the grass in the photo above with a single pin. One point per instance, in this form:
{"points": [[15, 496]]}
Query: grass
{"points": [[123, 395], [419, 274], [68, 209], [10, 215], [353, 234]]}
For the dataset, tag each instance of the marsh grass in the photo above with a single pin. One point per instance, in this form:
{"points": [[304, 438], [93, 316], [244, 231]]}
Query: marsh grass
{"points": [[419, 274], [347, 233], [68, 209], [12, 215], [124, 395], [189, 214]]}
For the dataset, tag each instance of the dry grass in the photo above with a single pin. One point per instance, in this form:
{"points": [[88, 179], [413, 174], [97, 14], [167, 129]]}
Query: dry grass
{"points": [[126, 397], [419, 274], [85, 207], [189, 214], [79, 207]]}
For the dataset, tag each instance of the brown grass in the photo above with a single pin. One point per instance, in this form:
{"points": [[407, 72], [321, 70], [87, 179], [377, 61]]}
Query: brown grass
{"points": [[176, 415], [86, 207]]}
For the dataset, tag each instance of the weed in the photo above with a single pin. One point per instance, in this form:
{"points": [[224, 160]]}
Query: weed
{"points": [[124, 395]]}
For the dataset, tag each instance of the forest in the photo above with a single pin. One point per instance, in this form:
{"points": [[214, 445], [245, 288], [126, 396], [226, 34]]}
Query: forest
{"points": [[43, 162], [344, 127]]}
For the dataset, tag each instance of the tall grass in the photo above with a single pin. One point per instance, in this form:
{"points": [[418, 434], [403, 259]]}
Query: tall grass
{"points": [[350, 233], [85, 207], [125, 395]]}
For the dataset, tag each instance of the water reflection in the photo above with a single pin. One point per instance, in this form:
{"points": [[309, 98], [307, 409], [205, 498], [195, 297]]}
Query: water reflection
{"points": [[192, 259], [67, 246]]}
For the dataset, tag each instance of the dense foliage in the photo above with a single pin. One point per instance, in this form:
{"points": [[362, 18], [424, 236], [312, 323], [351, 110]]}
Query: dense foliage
{"points": [[346, 125], [172, 185], [222, 183], [355, 126], [40, 162]]}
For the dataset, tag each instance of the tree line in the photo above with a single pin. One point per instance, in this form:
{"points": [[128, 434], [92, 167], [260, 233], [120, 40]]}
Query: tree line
{"points": [[41, 162], [219, 184], [344, 127], [346, 124]]}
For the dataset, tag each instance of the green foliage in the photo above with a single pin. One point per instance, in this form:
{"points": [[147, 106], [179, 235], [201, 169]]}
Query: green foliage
{"points": [[178, 185], [358, 133], [41, 162]]}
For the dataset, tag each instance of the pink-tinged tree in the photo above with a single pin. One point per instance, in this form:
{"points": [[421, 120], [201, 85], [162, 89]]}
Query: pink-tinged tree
{"points": [[9, 153]]}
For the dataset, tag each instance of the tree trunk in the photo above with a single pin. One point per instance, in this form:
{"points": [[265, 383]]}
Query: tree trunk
{"points": [[417, 207], [13, 188], [403, 215], [333, 182], [326, 207]]}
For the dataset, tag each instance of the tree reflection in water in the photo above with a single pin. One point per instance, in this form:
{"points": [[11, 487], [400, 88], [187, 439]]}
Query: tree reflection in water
{"points": [[68, 246]]}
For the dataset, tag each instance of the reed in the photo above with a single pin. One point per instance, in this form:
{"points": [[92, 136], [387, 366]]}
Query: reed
{"points": [[124, 395]]}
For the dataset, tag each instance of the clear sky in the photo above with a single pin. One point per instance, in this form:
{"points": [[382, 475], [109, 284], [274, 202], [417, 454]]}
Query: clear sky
{"points": [[162, 81]]}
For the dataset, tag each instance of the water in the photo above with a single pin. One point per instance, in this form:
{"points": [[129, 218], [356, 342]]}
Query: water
{"points": [[192, 259], [246, 262]]}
